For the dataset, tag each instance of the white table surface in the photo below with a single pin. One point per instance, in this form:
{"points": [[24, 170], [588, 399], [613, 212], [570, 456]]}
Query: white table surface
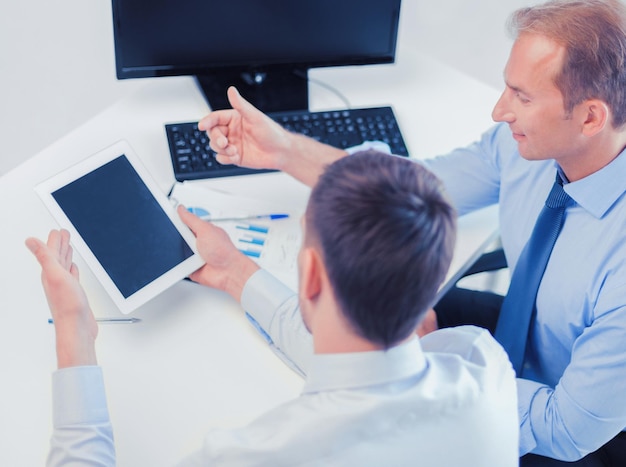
{"points": [[193, 362]]}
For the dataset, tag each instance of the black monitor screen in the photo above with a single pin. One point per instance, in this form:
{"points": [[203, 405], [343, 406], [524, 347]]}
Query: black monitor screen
{"points": [[250, 39]]}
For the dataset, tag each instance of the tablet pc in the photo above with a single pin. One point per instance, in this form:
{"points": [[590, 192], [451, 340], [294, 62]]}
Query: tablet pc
{"points": [[122, 225]]}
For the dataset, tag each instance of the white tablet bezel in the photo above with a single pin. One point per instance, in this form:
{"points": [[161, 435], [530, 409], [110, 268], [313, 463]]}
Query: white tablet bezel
{"points": [[152, 289]]}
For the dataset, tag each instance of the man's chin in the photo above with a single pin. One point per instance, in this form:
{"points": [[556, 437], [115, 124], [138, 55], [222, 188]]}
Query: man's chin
{"points": [[523, 151]]}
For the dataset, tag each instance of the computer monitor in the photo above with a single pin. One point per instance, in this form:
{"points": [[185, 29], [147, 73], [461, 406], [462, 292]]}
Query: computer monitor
{"points": [[264, 47]]}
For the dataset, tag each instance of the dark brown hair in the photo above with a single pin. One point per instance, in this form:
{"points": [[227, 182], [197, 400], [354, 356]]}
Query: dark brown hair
{"points": [[593, 33], [386, 233]]}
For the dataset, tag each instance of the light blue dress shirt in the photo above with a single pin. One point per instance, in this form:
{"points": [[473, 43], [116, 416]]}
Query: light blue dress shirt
{"points": [[572, 398]]}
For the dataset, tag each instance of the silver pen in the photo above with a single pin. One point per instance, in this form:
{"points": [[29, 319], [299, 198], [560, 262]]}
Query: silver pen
{"points": [[110, 320]]}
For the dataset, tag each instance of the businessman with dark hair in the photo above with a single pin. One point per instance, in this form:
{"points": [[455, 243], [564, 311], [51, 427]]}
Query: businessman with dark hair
{"points": [[378, 239]]}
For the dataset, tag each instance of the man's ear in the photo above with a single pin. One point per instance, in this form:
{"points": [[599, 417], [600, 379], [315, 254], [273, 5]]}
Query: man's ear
{"points": [[311, 275], [596, 116]]}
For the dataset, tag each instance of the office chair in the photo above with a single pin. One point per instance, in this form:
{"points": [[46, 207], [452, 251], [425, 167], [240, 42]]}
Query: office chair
{"points": [[466, 306]]}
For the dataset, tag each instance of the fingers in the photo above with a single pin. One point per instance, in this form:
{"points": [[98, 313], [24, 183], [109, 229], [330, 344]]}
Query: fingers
{"points": [[198, 226], [56, 250], [189, 219], [227, 159], [196, 276], [65, 250], [74, 271], [59, 245], [44, 253], [216, 124], [54, 241]]}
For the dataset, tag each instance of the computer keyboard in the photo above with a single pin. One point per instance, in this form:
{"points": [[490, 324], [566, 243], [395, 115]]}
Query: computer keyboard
{"points": [[192, 157]]}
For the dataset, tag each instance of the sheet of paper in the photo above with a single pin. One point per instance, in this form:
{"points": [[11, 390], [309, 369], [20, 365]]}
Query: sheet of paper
{"points": [[273, 244]]}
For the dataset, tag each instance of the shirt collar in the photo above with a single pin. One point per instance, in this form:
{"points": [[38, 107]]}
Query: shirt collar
{"points": [[597, 192], [359, 369]]}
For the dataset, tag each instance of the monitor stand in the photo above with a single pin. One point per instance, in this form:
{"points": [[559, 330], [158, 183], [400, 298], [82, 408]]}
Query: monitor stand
{"points": [[270, 91]]}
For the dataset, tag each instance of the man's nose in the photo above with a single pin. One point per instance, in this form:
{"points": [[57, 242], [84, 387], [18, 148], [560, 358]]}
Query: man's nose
{"points": [[502, 111]]}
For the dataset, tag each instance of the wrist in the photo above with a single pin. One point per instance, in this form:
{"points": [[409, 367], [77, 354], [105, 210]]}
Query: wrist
{"points": [[307, 158], [75, 344], [238, 278], [70, 354], [291, 145]]}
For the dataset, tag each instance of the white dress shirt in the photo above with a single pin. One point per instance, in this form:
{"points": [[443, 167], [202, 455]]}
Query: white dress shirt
{"points": [[447, 400]]}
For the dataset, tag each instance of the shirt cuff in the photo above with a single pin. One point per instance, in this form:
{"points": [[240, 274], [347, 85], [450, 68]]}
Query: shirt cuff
{"points": [[262, 295], [367, 145], [78, 396], [526, 392], [273, 310]]}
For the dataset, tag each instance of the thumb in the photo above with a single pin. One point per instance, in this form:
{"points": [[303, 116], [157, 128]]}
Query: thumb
{"points": [[189, 219], [38, 248], [239, 103], [33, 245]]}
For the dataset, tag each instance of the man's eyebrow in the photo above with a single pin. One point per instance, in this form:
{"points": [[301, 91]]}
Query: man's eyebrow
{"points": [[516, 88]]}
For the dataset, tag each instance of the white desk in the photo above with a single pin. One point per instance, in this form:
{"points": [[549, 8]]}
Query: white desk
{"points": [[193, 362]]}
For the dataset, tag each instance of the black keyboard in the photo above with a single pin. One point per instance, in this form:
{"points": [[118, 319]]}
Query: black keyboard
{"points": [[192, 158]]}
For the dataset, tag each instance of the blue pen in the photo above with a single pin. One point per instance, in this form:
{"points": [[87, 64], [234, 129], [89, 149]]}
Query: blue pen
{"points": [[271, 217]]}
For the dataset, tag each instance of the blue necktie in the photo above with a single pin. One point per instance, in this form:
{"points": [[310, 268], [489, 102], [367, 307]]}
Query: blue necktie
{"points": [[519, 304]]}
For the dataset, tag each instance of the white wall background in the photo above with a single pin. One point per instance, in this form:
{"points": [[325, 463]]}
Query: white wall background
{"points": [[57, 65]]}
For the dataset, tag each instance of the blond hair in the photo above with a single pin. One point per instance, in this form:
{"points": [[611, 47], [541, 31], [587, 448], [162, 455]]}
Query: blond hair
{"points": [[593, 33]]}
